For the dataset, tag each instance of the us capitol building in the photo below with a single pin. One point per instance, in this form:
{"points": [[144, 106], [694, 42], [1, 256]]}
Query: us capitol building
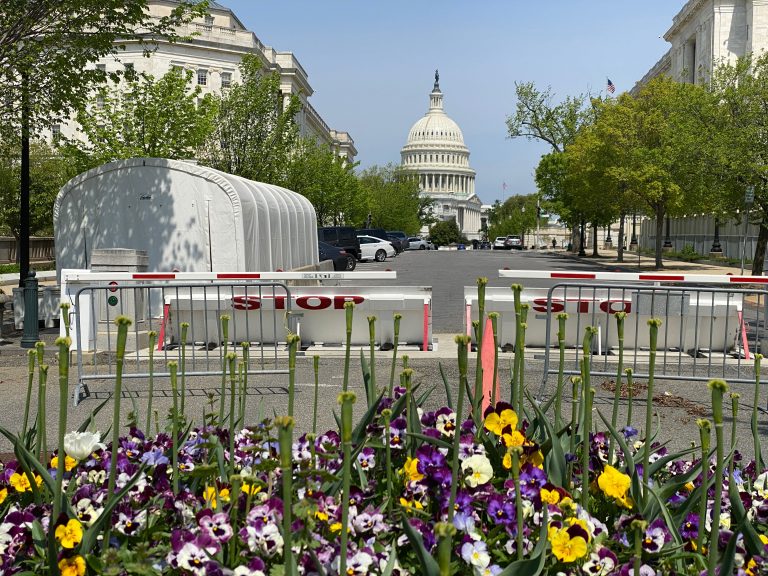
{"points": [[435, 153]]}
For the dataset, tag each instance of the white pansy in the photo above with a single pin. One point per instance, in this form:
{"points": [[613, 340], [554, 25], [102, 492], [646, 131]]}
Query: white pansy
{"points": [[80, 445], [478, 469]]}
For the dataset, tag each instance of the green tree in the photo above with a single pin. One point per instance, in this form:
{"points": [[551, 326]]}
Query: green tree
{"points": [[48, 173], [143, 116], [50, 44], [446, 232], [517, 215], [391, 198], [329, 182], [256, 131]]}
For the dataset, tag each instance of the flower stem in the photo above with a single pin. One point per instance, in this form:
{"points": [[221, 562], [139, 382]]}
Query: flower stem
{"points": [[387, 415], [293, 344], [630, 397], [349, 309], [462, 342], [232, 361], [494, 316], [246, 350], [639, 527], [410, 410], [173, 368], [316, 367], [734, 419], [346, 399], [653, 325], [184, 327], [620, 316], [30, 379], [718, 388], [397, 318], [705, 436], [516, 290], [225, 343], [63, 343], [478, 394], [41, 418], [444, 531], [152, 343], [562, 317], [122, 323], [589, 394], [285, 437], [372, 363], [518, 500], [759, 462]]}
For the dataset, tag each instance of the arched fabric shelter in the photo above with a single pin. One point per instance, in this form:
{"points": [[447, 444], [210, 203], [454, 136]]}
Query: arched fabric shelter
{"points": [[185, 216]]}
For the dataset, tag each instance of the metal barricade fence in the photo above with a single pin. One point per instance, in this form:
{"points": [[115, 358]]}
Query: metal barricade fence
{"points": [[260, 314], [706, 332]]}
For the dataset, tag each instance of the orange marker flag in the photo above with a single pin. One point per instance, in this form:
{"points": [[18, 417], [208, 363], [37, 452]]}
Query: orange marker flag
{"points": [[486, 359]]}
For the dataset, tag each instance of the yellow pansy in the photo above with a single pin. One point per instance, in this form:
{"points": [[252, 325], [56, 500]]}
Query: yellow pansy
{"points": [[74, 566], [579, 522], [415, 504], [514, 438], [549, 496], [335, 527], [69, 535], [3, 494], [565, 548], [20, 482], [496, 422], [250, 489], [69, 463], [613, 483], [322, 516], [411, 471], [211, 496]]}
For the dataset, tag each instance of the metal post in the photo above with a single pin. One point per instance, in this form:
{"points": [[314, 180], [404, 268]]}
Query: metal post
{"points": [[633, 240], [31, 334], [667, 240], [24, 227], [608, 239], [716, 248], [582, 239]]}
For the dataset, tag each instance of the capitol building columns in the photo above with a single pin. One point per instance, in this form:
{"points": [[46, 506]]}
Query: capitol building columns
{"points": [[436, 154]]}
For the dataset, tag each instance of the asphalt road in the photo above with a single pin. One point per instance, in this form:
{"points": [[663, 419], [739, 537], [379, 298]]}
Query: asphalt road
{"points": [[448, 272]]}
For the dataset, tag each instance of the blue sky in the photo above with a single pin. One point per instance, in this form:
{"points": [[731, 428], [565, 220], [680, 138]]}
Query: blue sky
{"points": [[371, 64]]}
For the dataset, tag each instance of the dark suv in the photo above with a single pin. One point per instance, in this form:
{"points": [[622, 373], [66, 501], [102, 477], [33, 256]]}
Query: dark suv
{"points": [[402, 236], [343, 237], [382, 234]]}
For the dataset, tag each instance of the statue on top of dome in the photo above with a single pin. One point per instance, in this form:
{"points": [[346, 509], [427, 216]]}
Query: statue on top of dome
{"points": [[437, 80]]}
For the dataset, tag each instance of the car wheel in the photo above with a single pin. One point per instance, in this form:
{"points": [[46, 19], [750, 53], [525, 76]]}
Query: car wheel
{"points": [[380, 256], [422, 247], [351, 262]]}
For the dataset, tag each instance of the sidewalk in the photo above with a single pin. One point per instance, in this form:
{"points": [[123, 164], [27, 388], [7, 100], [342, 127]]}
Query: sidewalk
{"points": [[633, 262]]}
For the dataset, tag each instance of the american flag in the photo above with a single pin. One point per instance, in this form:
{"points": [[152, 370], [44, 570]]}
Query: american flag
{"points": [[503, 185], [611, 88]]}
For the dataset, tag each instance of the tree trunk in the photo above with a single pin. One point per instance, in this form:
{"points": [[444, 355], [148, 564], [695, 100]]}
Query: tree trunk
{"points": [[594, 241], [659, 239], [621, 239], [762, 240]]}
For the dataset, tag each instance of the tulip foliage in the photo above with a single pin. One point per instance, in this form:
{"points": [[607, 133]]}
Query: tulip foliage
{"points": [[402, 490]]}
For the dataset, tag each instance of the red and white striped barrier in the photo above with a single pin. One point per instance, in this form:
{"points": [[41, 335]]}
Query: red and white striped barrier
{"points": [[634, 277], [94, 277]]}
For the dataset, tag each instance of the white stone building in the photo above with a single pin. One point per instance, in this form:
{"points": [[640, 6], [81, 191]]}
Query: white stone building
{"points": [[436, 154], [217, 43], [707, 32]]}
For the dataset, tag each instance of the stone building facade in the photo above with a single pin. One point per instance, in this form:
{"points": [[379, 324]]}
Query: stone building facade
{"points": [[435, 153], [217, 42]]}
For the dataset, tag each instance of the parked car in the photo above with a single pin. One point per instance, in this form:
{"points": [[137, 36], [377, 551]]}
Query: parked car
{"points": [[402, 236], [381, 233], [342, 260], [375, 248], [343, 237], [397, 244], [513, 242], [500, 243], [416, 243]]}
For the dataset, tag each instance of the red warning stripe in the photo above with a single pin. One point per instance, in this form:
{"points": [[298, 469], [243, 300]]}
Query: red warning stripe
{"points": [[661, 277], [572, 275], [749, 279], [153, 276], [238, 276]]}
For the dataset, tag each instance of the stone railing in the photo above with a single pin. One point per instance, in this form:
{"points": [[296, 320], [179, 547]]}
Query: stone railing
{"points": [[40, 249]]}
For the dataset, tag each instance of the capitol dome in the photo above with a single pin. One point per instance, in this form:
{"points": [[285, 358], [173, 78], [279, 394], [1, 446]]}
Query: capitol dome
{"points": [[435, 153]]}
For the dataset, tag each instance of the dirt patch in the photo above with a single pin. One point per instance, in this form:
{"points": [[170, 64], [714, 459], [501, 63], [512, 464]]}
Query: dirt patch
{"points": [[637, 388], [671, 401]]}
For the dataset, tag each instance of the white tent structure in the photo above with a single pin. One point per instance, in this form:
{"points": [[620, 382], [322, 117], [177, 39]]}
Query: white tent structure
{"points": [[186, 217]]}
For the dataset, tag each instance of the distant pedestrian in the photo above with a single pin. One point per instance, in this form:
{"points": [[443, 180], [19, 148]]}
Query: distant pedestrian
{"points": [[554, 243]]}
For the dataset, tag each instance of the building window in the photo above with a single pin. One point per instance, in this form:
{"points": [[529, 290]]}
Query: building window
{"points": [[209, 20], [56, 132], [226, 80], [102, 67], [202, 77]]}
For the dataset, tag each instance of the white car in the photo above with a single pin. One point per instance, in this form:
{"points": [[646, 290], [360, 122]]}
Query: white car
{"points": [[416, 243], [498, 244], [372, 248]]}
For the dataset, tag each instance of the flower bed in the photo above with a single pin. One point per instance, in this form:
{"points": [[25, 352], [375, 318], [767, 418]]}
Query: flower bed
{"points": [[460, 490]]}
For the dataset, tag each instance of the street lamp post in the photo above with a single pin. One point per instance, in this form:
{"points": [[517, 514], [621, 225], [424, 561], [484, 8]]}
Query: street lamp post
{"points": [[667, 239], [716, 250], [27, 280], [582, 239], [633, 240]]}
